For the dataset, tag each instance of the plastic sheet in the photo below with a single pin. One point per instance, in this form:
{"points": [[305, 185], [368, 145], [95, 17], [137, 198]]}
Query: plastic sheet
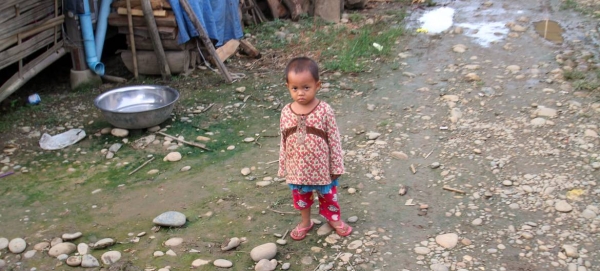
{"points": [[68, 138]]}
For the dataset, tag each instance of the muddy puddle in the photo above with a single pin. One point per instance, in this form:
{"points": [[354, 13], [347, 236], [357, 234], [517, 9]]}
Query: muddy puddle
{"points": [[549, 30]]}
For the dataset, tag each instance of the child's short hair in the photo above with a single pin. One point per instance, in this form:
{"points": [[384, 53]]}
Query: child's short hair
{"points": [[302, 64]]}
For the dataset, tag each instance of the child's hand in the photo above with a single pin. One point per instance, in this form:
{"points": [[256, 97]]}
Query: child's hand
{"points": [[334, 176]]}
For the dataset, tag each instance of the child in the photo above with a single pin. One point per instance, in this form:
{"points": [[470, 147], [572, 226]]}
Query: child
{"points": [[310, 155]]}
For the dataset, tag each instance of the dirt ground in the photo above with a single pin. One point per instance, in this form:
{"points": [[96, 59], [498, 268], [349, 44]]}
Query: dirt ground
{"points": [[499, 124]]}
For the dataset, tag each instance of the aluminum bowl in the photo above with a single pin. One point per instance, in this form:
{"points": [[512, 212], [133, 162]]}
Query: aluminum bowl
{"points": [[137, 107]]}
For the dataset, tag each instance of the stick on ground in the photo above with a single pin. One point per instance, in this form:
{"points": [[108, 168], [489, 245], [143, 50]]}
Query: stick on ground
{"points": [[143, 165], [201, 146], [453, 189]]}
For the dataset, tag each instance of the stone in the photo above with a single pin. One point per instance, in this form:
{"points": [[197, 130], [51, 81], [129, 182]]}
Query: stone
{"points": [[351, 190], [263, 183], [203, 138], [281, 242], [266, 265], [222, 263], [113, 148], [158, 254], [118, 132], [172, 157], [422, 250], [438, 267], [399, 155], [105, 130], [570, 251], [372, 135], [40, 246], [563, 206], [352, 219], [173, 242], [170, 219], [62, 248], [88, 261], [62, 257], [185, 168], [590, 133], [245, 171], [477, 222], [110, 257], [154, 129], [83, 248], [71, 236], [518, 28], [355, 244], [450, 98], [153, 171], [448, 240], [29, 254], [513, 68], [264, 251], [240, 89], [470, 77], [459, 48], [74, 261], [538, 122], [231, 244], [285, 266], [17, 245], [588, 214], [103, 243], [546, 112], [248, 139], [3, 243], [170, 252], [199, 262], [324, 230]]}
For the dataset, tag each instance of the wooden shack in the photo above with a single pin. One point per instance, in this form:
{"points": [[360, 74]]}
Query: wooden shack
{"points": [[30, 37]]}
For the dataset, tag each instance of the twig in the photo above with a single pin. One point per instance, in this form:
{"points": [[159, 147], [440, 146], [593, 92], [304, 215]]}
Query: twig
{"points": [[413, 169], [430, 152], [285, 234], [453, 189], [143, 165], [280, 212], [273, 162], [201, 146], [207, 108], [256, 142]]}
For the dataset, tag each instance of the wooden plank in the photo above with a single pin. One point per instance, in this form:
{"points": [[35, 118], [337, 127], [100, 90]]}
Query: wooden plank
{"points": [[26, 48], [179, 61], [24, 6], [115, 19], [139, 12], [155, 38], [165, 32], [142, 43], [228, 49], [27, 21], [7, 42], [249, 49], [156, 4]]}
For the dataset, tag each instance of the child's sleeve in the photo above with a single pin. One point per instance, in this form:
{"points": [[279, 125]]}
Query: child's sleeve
{"points": [[281, 171], [336, 159]]}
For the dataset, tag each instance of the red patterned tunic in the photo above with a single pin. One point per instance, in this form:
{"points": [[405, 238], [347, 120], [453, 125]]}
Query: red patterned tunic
{"points": [[310, 149]]}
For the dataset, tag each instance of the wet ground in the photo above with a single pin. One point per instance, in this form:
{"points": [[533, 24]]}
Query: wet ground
{"points": [[482, 109]]}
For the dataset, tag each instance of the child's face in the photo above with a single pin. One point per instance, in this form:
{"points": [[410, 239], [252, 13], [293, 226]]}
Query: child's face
{"points": [[303, 87]]}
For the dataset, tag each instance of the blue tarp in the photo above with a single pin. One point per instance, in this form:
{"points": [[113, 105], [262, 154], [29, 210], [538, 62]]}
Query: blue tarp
{"points": [[220, 18]]}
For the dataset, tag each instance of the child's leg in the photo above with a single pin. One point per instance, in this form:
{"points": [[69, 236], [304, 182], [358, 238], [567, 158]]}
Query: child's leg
{"points": [[330, 209], [303, 202]]}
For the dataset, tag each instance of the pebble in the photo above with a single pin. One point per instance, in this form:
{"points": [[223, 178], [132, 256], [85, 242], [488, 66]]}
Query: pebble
{"points": [[88, 261], [3, 243], [173, 242], [40, 246], [153, 172], [448, 240], [588, 214], [17, 245], [111, 257], [199, 262], [570, 251], [83, 248], [154, 129], [29, 254], [372, 135], [438, 267], [351, 190], [222, 263], [422, 250], [118, 132], [281, 242], [355, 244], [563, 206], [352, 219], [249, 139], [477, 222], [71, 236], [435, 165], [266, 265], [263, 183], [103, 243], [399, 155], [230, 147], [170, 252], [185, 168], [546, 112], [170, 219], [245, 171], [172, 157], [459, 48], [285, 266], [264, 251], [74, 261], [233, 243], [324, 230]]}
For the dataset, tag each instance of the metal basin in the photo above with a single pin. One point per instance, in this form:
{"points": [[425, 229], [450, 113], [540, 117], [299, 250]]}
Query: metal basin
{"points": [[137, 107]]}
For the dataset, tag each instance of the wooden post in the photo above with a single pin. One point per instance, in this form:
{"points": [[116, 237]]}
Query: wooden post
{"points": [[74, 41], [206, 40], [156, 42], [132, 39]]}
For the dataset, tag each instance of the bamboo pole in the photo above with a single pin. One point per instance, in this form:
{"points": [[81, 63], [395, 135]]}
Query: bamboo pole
{"points": [[132, 40], [206, 40], [156, 42]]}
